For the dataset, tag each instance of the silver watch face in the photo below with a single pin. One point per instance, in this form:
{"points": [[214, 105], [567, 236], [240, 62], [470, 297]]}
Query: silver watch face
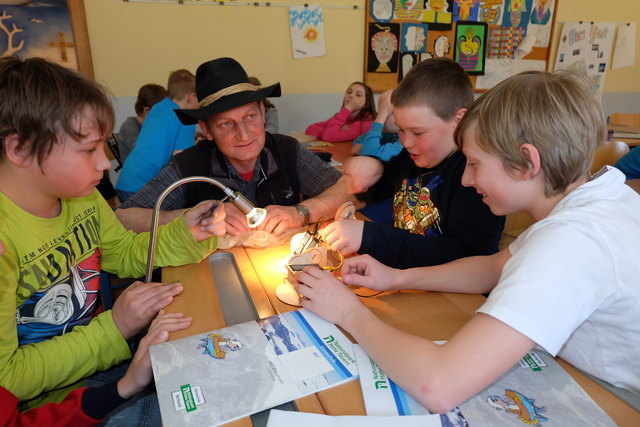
{"points": [[304, 211]]}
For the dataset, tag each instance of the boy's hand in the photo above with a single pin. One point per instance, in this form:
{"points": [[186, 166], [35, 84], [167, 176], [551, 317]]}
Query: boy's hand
{"points": [[385, 107], [363, 172], [325, 295], [366, 271], [355, 149], [139, 374], [141, 302], [344, 236], [206, 219]]}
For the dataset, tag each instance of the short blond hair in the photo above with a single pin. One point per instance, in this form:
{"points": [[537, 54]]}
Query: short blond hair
{"points": [[555, 112]]}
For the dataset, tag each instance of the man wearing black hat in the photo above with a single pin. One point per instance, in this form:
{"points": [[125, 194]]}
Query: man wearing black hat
{"points": [[271, 170]]}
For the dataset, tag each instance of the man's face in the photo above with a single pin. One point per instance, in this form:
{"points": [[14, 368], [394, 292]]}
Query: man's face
{"points": [[238, 133]]}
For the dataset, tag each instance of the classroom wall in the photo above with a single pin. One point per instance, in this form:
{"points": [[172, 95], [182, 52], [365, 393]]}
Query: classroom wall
{"points": [[136, 43]]}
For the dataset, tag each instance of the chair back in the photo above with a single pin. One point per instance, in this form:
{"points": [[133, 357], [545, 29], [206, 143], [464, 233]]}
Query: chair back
{"points": [[608, 154], [625, 119]]}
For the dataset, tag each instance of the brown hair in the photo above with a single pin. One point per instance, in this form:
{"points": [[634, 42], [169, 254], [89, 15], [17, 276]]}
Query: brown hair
{"points": [[438, 83], [40, 101], [267, 104], [180, 84], [368, 111], [148, 96], [555, 112]]}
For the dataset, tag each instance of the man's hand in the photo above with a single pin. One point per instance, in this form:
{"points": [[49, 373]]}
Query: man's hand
{"points": [[344, 236], [366, 271], [141, 302], [206, 219], [139, 374], [281, 218], [236, 221], [362, 172], [325, 295]]}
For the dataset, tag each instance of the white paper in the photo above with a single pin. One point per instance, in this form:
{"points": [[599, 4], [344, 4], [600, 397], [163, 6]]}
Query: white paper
{"points": [[279, 418], [307, 31], [496, 70], [625, 50]]}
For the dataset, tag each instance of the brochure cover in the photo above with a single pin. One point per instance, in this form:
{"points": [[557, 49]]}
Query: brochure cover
{"points": [[535, 392], [212, 378]]}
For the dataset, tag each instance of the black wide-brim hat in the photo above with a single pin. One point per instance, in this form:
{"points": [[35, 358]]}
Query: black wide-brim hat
{"points": [[222, 85]]}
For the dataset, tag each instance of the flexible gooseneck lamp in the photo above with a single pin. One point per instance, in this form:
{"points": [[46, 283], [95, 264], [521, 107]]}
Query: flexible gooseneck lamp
{"points": [[254, 215]]}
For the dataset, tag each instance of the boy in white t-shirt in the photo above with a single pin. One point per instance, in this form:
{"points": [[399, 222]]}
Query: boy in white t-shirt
{"points": [[568, 284]]}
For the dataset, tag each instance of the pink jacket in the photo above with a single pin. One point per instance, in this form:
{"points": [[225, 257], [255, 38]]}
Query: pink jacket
{"points": [[339, 127]]}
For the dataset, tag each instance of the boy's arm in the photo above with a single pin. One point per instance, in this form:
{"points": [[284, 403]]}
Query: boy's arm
{"points": [[439, 377]]}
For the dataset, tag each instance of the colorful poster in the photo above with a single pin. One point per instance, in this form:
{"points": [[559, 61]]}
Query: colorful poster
{"points": [[438, 14], [586, 49], [307, 31], [471, 45], [381, 10], [540, 22], [414, 37], [517, 13], [383, 48], [440, 43], [465, 10], [503, 41], [491, 11], [408, 10], [38, 28]]}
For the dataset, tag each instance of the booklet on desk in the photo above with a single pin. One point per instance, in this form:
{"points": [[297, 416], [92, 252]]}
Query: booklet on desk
{"points": [[535, 392], [216, 377]]}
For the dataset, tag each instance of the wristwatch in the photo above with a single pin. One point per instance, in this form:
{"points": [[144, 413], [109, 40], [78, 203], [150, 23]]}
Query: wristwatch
{"points": [[304, 211]]}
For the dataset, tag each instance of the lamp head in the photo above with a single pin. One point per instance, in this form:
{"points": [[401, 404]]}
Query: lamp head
{"points": [[254, 215]]}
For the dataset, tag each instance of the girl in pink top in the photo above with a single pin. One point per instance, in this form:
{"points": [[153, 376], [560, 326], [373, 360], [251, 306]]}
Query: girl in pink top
{"points": [[354, 119]]}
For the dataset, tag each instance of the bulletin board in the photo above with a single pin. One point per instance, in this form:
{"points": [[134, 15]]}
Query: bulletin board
{"points": [[474, 33]]}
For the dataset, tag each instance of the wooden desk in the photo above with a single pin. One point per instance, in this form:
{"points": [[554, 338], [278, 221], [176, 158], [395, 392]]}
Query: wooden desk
{"points": [[631, 142], [634, 183], [433, 315]]}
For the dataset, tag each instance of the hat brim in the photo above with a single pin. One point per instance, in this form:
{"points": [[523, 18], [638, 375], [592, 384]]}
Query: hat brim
{"points": [[226, 103]]}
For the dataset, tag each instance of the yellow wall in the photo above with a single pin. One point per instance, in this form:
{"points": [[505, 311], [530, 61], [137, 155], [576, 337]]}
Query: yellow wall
{"points": [[136, 43]]}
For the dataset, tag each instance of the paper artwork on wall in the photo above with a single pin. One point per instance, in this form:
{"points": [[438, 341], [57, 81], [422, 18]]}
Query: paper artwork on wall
{"points": [[496, 70], [540, 22], [381, 10], [517, 13], [438, 14], [383, 48], [503, 41], [407, 61], [408, 9], [414, 37], [41, 29], [586, 48], [625, 50], [491, 11], [307, 31], [465, 10], [440, 43], [470, 47]]}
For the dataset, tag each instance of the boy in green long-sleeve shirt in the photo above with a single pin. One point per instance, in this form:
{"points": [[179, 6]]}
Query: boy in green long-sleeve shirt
{"points": [[59, 233]]}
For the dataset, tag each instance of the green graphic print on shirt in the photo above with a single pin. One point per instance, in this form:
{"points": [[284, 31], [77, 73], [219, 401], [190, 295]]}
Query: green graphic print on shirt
{"points": [[413, 208]]}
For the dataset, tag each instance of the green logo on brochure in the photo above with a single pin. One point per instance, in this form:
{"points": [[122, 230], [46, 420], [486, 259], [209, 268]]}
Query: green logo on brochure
{"points": [[187, 396], [532, 364]]}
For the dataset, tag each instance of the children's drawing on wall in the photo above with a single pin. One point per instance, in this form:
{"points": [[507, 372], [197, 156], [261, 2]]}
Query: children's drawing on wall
{"points": [[540, 22], [465, 10], [414, 37], [586, 49], [625, 49], [470, 46], [517, 13], [503, 41], [383, 48], [491, 11], [37, 28], [307, 31], [408, 9], [438, 14], [407, 61], [381, 10], [439, 43]]}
